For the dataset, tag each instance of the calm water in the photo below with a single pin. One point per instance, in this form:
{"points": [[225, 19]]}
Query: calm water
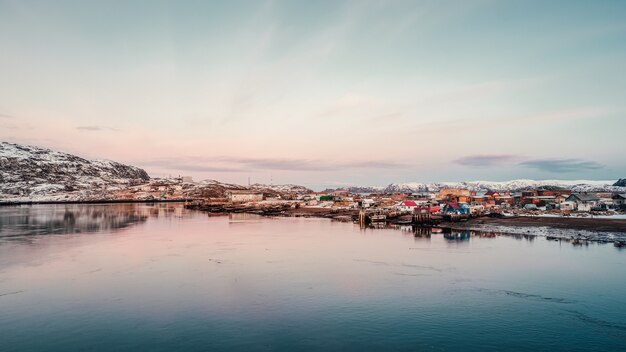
{"points": [[157, 277]]}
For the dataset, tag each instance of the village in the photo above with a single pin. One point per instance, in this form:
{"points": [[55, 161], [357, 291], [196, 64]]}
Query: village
{"points": [[446, 204]]}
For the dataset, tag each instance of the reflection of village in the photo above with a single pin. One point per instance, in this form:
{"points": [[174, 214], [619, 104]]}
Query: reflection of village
{"points": [[80, 218], [454, 235]]}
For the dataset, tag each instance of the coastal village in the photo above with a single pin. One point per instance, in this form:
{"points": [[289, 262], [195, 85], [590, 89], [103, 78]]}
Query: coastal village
{"points": [[590, 209], [450, 204]]}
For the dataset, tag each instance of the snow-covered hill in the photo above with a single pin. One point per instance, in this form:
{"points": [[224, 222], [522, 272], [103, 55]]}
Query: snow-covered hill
{"points": [[32, 172], [288, 188], [513, 185]]}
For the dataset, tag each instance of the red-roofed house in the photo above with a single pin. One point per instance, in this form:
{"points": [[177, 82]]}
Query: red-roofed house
{"points": [[407, 206]]}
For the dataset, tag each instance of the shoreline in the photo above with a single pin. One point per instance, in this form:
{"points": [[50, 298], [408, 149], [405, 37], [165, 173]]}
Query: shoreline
{"points": [[570, 223], [101, 201], [576, 230], [587, 224], [599, 229]]}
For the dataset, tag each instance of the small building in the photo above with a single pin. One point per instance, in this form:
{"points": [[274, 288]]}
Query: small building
{"points": [[561, 198], [567, 206], [619, 199], [367, 202], [456, 208], [530, 206], [584, 201], [407, 206], [187, 179], [455, 195], [493, 194], [243, 196]]}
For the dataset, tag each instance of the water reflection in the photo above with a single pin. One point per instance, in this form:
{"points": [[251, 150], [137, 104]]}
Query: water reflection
{"points": [[241, 283], [26, 220]]}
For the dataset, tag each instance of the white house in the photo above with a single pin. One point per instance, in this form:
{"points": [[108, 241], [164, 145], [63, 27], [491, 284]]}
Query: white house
{"points": [[367, 202], [406, 206], [584, 201]]}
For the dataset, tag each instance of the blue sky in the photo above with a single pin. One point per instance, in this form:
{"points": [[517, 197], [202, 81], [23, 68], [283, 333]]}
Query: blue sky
{"points": [[322, 93]]}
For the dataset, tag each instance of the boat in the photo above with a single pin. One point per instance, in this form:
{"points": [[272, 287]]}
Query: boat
{"points": [[378, 218]]}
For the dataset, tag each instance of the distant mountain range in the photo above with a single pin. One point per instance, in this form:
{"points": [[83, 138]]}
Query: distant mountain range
{"points": [[500, 186]]}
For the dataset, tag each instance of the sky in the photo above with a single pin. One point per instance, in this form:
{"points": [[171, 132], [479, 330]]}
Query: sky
{"points": [[322, 93]]}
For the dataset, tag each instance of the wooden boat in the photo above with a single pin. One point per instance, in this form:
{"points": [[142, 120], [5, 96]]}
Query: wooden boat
{"points": [[378, 218]]}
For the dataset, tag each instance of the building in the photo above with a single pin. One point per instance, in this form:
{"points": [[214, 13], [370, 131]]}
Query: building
{"points": [[456, 208], [493, 194], [367, 202], [619, 200], [455, 195], [484, 198], [407, 206], [187, 179], [584, 201], [243, 196], [561, 198], [567, 206]]}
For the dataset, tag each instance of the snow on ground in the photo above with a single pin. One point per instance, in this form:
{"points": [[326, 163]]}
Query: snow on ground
{"points": [[551, 232], [585, 216]]}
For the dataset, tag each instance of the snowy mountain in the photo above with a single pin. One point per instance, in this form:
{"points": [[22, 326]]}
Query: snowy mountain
{"points": [[288, 188], [30, 172], [513, 185]]}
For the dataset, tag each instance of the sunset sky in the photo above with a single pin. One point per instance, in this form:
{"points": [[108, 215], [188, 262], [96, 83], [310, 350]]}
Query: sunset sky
{"points": [[322, 93]]}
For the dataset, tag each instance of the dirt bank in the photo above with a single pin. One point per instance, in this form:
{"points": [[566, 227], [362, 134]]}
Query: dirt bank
{"points": [[589, 224]]}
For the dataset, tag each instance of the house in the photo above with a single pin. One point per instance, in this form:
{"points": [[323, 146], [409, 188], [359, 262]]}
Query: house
{"points": [[435, 209], [567, 206], [340, 192], [561, 198], [244, 195], [584, 201], [530, 193], [484, 198], [187, 179], [493, 194], [456, 208], [455, 195], [619, 200], [539, 200], [367, 202], [407, 206]]}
